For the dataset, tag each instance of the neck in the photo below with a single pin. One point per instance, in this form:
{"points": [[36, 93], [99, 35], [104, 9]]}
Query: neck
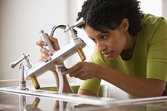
{"points": [[127, 53]]}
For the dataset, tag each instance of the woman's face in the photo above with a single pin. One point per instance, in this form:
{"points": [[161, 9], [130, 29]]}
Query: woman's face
{"points": [[110, 42]]}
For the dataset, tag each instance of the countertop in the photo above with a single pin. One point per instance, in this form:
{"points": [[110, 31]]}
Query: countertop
{"points": [[14, 101]]}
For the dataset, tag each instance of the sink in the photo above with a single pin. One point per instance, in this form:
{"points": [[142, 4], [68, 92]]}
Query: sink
{"points": [[102, 91], [51, 92]]}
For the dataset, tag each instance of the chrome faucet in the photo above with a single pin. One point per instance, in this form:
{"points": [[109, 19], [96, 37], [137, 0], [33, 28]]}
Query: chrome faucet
{"points": [[58, 57], [24, 65]]}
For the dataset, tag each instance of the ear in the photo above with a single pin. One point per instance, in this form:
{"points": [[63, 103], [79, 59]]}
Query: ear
{"points": [[124, 24]]}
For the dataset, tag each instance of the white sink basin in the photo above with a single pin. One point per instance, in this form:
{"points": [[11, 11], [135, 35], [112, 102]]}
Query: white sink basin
{"points": [[50, 92]]}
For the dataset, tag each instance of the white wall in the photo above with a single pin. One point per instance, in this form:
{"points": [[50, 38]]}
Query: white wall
{"points": [[20, 24], [152, 6], [164, 10]]}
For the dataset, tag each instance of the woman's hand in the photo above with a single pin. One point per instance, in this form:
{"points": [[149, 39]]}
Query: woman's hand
{"points": [[84, 70], [45, 53]]}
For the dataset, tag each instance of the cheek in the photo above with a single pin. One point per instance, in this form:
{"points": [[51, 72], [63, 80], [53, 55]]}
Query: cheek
{"points": [[119, 43], [122, 42]]}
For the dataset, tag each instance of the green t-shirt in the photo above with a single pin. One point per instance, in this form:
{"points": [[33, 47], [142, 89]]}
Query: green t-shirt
{"points": [[149, 57]]}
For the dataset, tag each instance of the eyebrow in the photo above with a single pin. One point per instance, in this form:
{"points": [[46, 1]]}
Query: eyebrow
{"points": [[96, 35], [101, 32]]}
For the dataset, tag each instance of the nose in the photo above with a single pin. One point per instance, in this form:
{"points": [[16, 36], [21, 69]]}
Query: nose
{"points": [[100, 46]]}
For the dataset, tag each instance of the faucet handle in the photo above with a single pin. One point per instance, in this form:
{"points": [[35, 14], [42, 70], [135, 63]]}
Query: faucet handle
{"points": [[50, 45], [80, 22], [13, 64]]}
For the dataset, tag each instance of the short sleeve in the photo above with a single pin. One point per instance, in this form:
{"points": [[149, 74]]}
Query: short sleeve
{"points": [[91, 85], [157, 53]]}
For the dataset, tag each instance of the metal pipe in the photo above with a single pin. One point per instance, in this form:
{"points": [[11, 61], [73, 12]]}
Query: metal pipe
{"points": [[35, 82]]}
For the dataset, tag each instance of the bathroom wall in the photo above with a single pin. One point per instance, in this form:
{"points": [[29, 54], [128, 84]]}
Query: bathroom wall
{"points": [[0, 40], [20, 24], [164, 11], [153, 7]]}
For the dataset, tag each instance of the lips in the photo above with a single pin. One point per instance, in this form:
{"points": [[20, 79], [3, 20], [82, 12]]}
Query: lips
{"points": [[108, 54]]}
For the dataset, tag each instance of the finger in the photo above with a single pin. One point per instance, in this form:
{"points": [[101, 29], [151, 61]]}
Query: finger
{"points": [[73, 70], [82, 75], [41, 43], [43, 60], [45, 57], [74, 74], [44, 51], [55, 42]]}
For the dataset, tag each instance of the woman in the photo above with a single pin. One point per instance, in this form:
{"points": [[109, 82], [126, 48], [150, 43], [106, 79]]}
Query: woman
{"points": [[130, 53]]}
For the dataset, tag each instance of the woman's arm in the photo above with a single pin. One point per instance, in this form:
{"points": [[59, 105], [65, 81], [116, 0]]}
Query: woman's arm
{"points": [[139, 87]]}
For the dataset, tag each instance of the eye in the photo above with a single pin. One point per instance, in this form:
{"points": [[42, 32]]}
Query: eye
{"points": [[104, 36], [93, 40]]}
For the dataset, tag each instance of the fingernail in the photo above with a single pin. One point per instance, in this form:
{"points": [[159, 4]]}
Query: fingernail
{"points": [[64, 73]]}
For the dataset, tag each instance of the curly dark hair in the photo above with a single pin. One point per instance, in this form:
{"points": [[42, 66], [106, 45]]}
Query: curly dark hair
{"points": [[101, 14]]}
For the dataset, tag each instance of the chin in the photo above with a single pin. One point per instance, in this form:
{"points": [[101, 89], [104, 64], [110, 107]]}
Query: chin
{"points": [[112, 58]]}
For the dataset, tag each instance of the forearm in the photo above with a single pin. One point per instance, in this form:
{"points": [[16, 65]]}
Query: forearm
{"points": [[66, 88], [139, 87]]}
